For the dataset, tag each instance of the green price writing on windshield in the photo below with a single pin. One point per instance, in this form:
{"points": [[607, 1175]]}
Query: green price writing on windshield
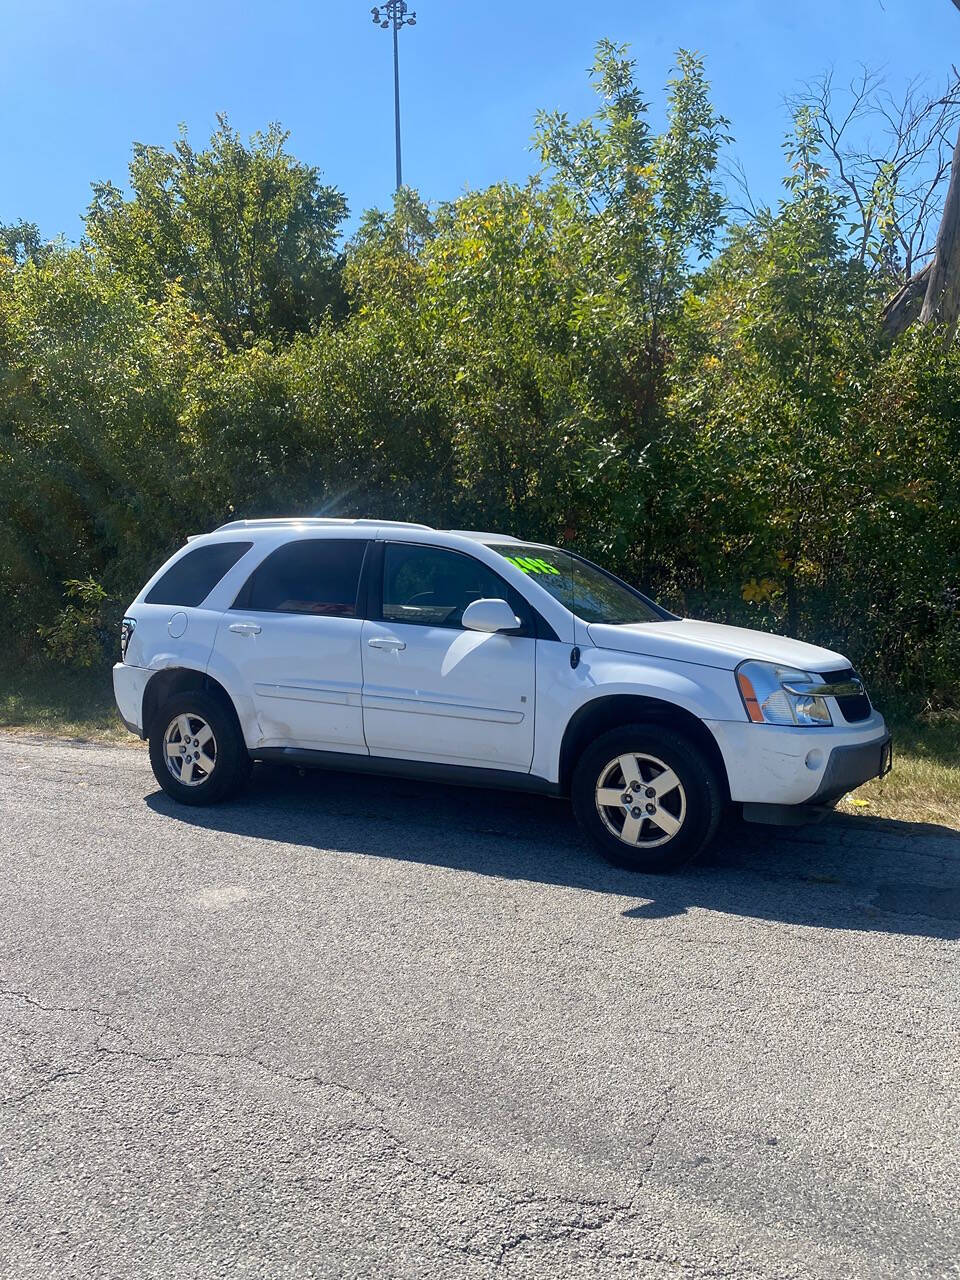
{"points": [[531, 564]]}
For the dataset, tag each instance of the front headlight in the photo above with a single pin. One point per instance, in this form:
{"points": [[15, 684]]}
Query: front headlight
{"points": [[768, 701]]}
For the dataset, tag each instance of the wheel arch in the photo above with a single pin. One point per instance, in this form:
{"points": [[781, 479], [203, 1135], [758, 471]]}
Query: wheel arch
{"points": [[602, 714], [172, 680]]}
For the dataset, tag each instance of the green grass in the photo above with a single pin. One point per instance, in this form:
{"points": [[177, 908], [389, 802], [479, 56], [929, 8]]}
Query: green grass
{"points": [[923, 787], [60, 701], [924, 784]]}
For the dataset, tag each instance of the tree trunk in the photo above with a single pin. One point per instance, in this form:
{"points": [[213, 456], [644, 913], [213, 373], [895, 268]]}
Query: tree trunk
{"points": [[941, 305], [932, 296], [904, 307]]}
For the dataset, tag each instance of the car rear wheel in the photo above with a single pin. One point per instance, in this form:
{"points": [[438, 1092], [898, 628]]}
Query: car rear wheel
{"points": [[647, 797], [197, 750]]}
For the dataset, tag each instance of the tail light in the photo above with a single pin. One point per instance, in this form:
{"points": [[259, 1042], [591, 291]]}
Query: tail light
{"points": [[127, 628]]}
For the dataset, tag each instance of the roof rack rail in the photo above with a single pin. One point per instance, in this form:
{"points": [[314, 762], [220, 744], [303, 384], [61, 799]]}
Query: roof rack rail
{"points": [[481, 536], [276, 522]]}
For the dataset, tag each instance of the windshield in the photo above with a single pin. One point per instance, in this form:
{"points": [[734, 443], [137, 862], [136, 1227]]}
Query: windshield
{"points": [[586, 590]]}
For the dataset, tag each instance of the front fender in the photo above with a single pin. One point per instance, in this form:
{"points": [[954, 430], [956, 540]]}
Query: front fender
{"points": [[707, 693]]}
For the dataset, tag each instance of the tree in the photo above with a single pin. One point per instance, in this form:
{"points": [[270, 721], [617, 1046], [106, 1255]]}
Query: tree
{"points": [[887, 161], [776, 329], [248, 232], [384, 259], [21, 241], [649, 206], [933, 294], [936, 289], [92, 474], [941, 302]]}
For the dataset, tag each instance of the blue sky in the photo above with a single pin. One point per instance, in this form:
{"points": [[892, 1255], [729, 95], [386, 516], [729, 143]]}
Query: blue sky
{"points": [[80, 81]]}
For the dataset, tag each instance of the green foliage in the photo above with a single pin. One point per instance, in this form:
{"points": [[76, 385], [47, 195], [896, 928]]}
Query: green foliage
{"points": [[248, 233], [642, 208], [587, 357], [21, 242], [81, 634], [384, 267], [90, 479], [820, 461]]}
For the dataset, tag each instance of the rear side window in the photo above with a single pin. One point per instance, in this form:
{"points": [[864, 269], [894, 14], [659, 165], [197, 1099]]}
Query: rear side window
{"points": [[313, 575], [193, 577]]}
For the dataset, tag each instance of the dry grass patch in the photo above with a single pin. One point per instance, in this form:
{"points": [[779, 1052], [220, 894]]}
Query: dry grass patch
{"points": [[924, 784]]}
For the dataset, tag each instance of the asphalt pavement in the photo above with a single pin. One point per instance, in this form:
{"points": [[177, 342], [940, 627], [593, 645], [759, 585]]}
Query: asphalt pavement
{"points": [[350, 1027]]}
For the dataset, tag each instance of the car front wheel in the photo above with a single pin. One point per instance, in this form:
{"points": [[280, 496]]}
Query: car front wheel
{"points": [[197, 750], [647, 797]]}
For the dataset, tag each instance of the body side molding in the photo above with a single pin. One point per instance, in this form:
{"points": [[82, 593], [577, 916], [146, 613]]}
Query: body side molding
{"points": [[455, 774]]}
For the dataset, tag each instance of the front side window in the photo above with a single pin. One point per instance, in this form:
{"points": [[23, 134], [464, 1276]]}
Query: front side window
{"points": [[312, 575], [432, 587], [188, 582], [585, 589]]}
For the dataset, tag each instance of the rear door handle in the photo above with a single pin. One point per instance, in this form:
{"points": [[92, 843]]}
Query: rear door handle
{"points": [[245, 628], [386, 642]]}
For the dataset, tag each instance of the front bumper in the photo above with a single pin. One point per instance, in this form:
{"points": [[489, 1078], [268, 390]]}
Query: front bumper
{"points": [[849, 767], [129, 683], [785, 765]]}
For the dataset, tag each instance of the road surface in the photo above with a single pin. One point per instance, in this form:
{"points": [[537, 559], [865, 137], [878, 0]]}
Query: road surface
{"points": [[347, 1027]]}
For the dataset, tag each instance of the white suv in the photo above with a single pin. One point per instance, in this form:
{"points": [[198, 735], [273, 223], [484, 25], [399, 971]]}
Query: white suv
{"points": [[476, 658]]}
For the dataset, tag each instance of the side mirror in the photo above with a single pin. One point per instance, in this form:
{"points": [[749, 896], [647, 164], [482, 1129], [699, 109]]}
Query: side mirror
{"points": [[490, 615]]}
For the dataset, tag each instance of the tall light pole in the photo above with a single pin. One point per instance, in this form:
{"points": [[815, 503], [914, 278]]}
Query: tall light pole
{"points": [[393, 13]]}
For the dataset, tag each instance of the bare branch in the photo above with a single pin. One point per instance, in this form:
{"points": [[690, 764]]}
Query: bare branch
{"points": [[888, 160], [736, 176]]}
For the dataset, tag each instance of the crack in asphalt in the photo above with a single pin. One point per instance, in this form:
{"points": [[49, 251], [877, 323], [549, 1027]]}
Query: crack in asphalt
{"points": [[770, 954], [611, 1214], [102, 1018], [565, 1217], [62, 1073]]}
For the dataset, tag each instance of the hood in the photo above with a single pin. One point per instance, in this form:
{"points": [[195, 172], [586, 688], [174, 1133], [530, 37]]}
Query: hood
{"points": [[711, 644]]}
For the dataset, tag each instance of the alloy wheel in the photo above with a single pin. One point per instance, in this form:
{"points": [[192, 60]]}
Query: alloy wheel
{"points": [[641, 800], [191, 750]]}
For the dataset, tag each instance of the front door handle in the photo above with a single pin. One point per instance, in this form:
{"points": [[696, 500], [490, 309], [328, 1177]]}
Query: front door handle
{"points": [[390, 643], [245, 628]]}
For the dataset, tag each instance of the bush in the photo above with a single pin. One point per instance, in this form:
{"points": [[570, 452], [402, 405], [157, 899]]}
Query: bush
{"points": [[550, 358], [86, 629]]}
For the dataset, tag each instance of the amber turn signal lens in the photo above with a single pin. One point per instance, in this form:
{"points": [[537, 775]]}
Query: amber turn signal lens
{"points": [[749, 698]]}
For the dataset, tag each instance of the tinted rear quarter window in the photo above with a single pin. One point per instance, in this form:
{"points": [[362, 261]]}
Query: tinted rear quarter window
{"points": [[312, 575], [193, 577]]}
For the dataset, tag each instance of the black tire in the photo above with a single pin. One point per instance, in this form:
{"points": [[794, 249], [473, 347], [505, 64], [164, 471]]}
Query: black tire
{"points": [[696, 804], [231, 763]]}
